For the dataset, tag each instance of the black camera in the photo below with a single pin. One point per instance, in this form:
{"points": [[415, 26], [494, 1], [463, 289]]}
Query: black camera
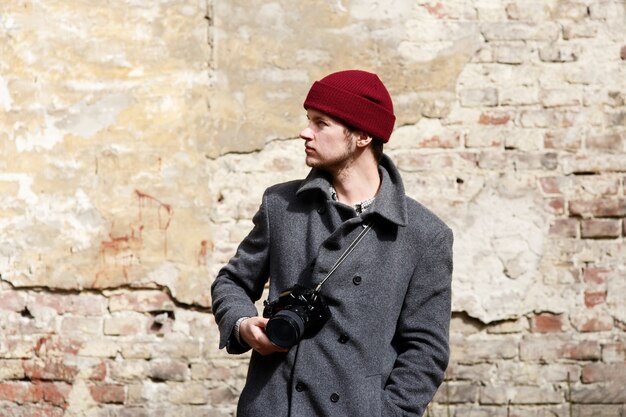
{"points": [[296, 312]]}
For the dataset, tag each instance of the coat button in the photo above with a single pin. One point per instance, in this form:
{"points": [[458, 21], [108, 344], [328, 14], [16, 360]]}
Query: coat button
{"points": [[356, 280], [334, 397], [300, 387], [343, 338]]}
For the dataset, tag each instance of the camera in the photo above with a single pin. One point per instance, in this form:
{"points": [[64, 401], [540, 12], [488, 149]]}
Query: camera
{"points": [[296, 312]]}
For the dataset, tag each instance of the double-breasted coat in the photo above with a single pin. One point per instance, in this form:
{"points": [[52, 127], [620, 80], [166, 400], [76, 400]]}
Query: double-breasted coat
{"points": [[384, 350]]}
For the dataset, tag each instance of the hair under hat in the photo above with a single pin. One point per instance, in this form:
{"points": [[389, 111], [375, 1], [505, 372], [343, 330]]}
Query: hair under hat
{"points": [[356, 98]]}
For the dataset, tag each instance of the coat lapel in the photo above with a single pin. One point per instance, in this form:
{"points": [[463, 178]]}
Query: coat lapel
{"points": [[390, 203]]}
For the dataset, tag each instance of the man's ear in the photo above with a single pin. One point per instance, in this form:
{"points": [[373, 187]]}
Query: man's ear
{"points": [[362, 139]]}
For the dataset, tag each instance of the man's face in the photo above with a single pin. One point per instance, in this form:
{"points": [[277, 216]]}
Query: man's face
{"points": [[327, 143]]}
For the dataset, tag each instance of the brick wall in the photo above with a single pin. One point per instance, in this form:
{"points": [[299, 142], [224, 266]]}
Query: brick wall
{"points": [[137, 137]]}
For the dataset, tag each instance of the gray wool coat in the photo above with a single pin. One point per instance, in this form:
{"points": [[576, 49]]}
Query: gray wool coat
{"points": [[384, 350]]}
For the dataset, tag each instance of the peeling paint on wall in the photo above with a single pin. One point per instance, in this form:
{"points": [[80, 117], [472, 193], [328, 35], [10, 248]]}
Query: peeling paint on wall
{"points": [[136, 139]]}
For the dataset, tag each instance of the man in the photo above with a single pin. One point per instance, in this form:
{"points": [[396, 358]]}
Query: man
{"points": [[384, 349]]}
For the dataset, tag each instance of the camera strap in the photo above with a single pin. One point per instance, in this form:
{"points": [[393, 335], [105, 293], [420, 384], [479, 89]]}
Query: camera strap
{"points": [[343, 257]]}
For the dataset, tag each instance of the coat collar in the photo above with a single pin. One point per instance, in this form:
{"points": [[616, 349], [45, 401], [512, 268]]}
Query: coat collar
{"points": [[390, 202]]}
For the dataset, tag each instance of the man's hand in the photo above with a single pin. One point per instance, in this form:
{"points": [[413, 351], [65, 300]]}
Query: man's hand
{"points": [[252, 331]]}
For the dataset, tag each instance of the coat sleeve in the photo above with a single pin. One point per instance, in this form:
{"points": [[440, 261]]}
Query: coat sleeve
{"points": [[422, 334], [240, 283]]}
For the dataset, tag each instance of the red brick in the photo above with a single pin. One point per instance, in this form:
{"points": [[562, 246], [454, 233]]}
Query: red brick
{"points": [[556, 206], [601, 207], [597, 275], [564, 228], [125, 324], [603, 324], [56, 393], [46, 301], [49, 370], [108, 393], [54, 345], [546, 323], [592, 321], [98, 372], [593, 298], [445, 141], [550, 348], [494, 118], [20, 392], [604, 372], [586, 350], [600, 228]]}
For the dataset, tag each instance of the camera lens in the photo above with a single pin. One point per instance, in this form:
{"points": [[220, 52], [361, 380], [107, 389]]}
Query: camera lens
{"points": [[285, 328]]}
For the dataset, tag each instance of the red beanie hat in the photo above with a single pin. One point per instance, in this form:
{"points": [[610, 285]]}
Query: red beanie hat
{"points": [[356, 98]]}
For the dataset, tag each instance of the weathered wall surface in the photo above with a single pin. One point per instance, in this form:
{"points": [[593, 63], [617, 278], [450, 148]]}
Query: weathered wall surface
{"points": [[137, 137]]}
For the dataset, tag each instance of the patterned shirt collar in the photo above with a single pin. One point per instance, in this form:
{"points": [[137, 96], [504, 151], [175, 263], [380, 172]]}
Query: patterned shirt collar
{"points": [[360, 207], [391, 200]]}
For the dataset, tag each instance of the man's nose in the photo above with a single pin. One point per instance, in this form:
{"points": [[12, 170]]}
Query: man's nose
{"points": [[306, 133]]}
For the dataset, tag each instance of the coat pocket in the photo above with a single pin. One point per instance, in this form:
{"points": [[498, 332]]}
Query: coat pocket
{"points": [[373, 393]]}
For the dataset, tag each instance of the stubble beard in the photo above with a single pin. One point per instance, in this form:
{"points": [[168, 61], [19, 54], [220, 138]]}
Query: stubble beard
{"points": [[338, 162]]}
